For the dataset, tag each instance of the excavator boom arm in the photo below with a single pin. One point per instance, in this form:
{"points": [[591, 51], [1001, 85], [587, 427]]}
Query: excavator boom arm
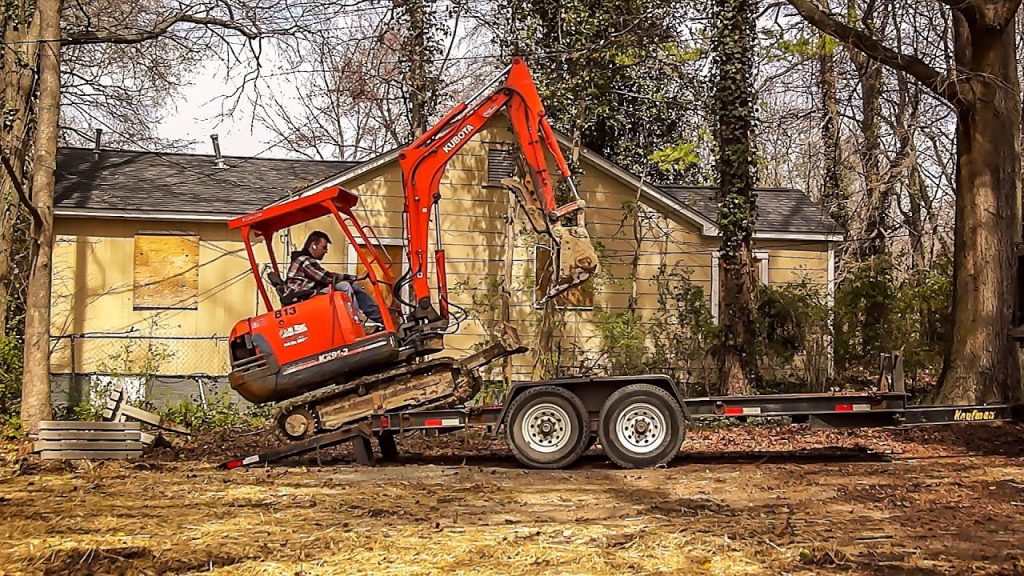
{"points": [[423, 163]]}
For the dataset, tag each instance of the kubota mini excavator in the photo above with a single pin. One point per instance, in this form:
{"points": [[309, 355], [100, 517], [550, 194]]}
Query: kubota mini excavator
{"points": [[310, 354]]}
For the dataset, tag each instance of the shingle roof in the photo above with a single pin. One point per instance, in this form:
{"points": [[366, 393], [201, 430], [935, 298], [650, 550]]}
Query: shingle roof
{"points": [[778, 209], [133, 181]]}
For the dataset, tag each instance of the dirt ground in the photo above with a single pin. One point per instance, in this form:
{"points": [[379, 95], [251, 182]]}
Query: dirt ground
{"points": [[745, 500]]}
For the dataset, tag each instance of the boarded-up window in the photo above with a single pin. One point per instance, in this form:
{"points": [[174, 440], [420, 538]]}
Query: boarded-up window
{"points": [[758, 273], [500, 163], [580, 297], [166, 271]]}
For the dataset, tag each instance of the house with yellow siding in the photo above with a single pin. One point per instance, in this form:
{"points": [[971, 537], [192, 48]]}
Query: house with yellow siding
{"points": [[148, 280]]}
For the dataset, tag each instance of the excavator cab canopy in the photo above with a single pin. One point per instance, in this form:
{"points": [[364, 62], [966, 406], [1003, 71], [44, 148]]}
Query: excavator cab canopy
{"points": [[276, 217], [333, 200]]}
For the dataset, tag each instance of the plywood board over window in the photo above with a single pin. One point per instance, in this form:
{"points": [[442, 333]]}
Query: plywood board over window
{"points": [[166, 271]]}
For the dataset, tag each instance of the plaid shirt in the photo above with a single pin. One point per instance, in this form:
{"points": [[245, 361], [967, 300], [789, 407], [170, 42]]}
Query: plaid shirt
{"points": [[305, 273]]}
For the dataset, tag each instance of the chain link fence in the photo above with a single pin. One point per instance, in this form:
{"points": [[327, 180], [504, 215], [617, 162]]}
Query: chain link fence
{"points": [[155, 370]]}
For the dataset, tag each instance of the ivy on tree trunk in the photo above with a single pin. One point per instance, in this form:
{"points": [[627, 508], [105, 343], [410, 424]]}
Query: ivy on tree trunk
{"points": [[734, 109]]}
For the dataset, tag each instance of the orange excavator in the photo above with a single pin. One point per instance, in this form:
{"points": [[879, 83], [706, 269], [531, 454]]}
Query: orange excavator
{"points": [[308, 352]]}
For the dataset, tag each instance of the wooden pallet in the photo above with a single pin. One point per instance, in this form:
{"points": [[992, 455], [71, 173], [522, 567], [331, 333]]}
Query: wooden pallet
{"points": [[118, 411], [62, 440]]}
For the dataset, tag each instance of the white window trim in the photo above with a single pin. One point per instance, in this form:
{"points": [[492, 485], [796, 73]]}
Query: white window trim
{"points": [[762, 264], [763, 259], [353, 261], [536, 304]]}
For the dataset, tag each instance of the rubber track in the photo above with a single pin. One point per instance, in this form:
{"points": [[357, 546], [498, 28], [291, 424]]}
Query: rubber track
{"points": [[459, 395]]}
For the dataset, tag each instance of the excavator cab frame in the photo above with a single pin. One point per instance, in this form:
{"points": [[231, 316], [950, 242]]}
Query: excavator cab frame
{"points": [[334, 201], [306, 343]]}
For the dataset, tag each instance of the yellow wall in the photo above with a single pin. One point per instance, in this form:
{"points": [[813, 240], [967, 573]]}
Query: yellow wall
{"points": [[93, 264], [92, 297]]}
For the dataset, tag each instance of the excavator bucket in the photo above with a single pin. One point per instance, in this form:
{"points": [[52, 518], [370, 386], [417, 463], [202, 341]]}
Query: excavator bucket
{"points": [[575, 259]]}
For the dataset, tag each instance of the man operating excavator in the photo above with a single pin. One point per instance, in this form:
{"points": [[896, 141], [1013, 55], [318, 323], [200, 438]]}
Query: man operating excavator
{"points": [[306, 273]]}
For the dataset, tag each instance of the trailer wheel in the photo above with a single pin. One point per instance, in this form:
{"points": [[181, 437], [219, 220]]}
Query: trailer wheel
{"points": [[641, 426], [547, 427]]}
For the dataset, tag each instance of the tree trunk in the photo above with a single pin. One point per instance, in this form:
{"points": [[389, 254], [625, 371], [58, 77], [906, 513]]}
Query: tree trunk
{"points": [[8, 219], [734, 107], [982, 362], [869, 74], [35, 398], [418, 52], [916, 192], [834, 194], [19, 72]]}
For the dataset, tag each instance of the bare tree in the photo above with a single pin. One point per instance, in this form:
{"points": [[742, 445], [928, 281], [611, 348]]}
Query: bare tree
{"points": [[341, 103], [39, 32], [983, 87]]}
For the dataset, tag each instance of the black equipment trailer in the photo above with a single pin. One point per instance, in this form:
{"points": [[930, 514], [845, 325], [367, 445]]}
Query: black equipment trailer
{"points": [[639, 420]]}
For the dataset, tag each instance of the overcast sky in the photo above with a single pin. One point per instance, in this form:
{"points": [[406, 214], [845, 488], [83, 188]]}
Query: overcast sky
{"points": [[195, 117]]}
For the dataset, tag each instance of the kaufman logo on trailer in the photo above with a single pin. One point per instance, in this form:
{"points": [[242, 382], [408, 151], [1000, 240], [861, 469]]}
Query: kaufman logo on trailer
{"points": [[973, 415]]}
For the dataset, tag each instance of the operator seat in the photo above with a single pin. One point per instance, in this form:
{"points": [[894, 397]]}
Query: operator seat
{"points": [[288, 297]]}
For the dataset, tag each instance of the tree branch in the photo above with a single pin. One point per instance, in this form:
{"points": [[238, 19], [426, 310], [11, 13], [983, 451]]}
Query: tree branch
{"points": [[972, 9], [37, 218], [983, 14], [164, 26], [939, 83]]}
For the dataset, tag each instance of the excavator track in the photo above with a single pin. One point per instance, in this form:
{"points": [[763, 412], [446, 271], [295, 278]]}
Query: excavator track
{"points": [[434, 384], [439, 383]]}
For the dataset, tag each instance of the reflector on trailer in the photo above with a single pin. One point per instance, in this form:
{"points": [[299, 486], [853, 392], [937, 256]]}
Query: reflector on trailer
{"points": [[852, 407], [741, 411], [439, 422]]}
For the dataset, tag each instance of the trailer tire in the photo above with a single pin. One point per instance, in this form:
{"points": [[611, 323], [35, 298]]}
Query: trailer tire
{"points": [[641, 426], [547, 427]]}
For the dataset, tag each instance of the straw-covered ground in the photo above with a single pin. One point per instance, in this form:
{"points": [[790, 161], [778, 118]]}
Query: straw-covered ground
{"points": [[749, 500]]}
